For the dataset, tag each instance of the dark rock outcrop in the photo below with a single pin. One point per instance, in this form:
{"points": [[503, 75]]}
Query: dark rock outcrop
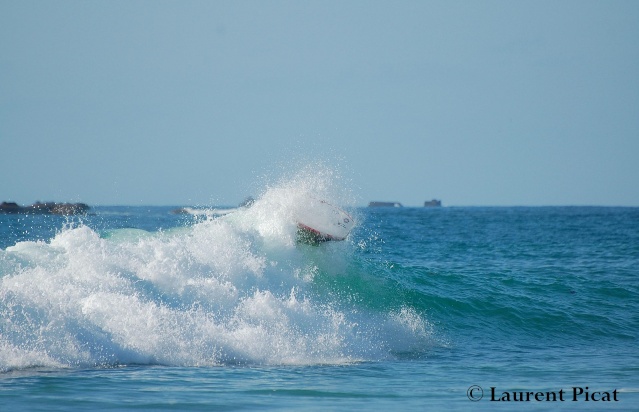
{"points": [[47, 208]]}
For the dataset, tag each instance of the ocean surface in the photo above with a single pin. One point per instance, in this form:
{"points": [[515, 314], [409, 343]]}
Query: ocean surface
{"points": [[462, 308]]}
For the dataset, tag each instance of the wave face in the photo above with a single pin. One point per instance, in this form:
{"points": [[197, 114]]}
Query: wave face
{"points": [[221, 290]]}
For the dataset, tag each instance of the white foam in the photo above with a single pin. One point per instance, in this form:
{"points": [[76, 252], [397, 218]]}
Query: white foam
{"points": [[229, 289]]}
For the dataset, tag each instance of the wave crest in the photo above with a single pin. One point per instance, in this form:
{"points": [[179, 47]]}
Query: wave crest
{"points": [[228, 289]]}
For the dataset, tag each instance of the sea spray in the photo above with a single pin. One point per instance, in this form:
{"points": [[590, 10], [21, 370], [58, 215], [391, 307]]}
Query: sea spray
{"points": [[228, 289]]}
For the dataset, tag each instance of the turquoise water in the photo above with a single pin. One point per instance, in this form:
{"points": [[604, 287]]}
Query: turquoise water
{"points": [[138, 308]]}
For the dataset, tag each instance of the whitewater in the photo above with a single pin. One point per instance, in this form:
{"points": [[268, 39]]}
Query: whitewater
{"points": [[234, 288]]}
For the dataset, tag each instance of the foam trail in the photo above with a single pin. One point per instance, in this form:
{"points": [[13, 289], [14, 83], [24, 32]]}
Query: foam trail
{"points": [[231, 289]]}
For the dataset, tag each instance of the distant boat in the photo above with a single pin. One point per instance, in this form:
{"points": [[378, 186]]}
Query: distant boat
{"points": [[432, 203], [384, 204]]}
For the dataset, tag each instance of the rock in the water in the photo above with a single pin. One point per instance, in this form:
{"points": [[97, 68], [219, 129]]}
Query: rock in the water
{"points": [[47, 208]]}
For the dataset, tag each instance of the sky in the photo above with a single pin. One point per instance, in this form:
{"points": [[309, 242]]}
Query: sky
{"points": [[476, 103]]}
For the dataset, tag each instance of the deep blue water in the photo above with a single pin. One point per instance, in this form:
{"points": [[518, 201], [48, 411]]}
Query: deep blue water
{"points": [[138, 308]]}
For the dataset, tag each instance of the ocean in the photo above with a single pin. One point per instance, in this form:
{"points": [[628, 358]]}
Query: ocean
{"points": [[461, 308]]}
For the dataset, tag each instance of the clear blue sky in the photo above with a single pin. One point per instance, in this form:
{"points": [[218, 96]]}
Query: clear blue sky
{"points": [[194, 102]]}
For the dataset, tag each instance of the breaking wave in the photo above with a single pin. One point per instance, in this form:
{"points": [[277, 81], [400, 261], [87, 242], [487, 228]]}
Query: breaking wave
{"points": [[231, 288]]}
